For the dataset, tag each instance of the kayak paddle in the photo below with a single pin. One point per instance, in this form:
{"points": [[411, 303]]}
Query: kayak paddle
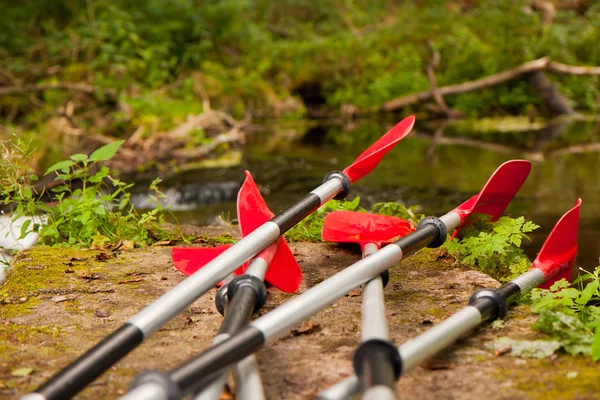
{"points": [[554, 259], [371, 231], [431, 231], [247, 293], [102, 356]]}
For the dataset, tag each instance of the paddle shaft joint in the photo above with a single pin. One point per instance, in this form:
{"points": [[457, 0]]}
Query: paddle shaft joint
{"points": [[345, 183], [377, 363], [248, 281], [441, 228], [495, 306]]}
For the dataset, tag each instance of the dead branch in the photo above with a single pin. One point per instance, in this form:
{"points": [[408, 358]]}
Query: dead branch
{"points": [[432, 64], [540, 64], [71, 86]]}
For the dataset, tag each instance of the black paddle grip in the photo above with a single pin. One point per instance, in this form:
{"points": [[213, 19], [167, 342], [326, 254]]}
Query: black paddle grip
{"points": [[377, 362]]}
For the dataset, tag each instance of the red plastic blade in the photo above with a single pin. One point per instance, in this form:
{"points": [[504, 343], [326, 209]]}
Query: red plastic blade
{"points": [[560, 248], [368, 160], [497, 193], [190, 259], [284, 272], [363, 228]]}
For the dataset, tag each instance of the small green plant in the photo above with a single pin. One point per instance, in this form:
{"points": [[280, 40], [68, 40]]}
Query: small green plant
{"points": [[494, 247], [91, 207], [571, 313]]}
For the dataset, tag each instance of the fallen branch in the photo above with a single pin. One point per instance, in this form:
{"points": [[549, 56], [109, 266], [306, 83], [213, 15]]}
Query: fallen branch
{"points": [[71, 86], [541, 64]]}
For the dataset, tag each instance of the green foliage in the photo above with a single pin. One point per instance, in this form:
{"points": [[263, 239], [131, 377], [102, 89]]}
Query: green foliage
{"points": [[91, 208], [493, 247], [399, 210], [571, 313], [309, 229], [255, 55]]}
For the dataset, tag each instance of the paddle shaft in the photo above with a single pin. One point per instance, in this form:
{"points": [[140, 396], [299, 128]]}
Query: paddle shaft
{"points": [[101, 357], [481, 308], [237, 315], [376, 375], [202, 369]]}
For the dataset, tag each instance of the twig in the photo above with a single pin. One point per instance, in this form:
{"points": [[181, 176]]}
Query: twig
{"points": [[72, 86]]}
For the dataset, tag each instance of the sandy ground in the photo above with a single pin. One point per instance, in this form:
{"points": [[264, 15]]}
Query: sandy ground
{"points": [[46, 332]]}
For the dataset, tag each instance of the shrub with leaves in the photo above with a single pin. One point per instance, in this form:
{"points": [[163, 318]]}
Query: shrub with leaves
{"points": [[91, 207], [571, 313], [494, 247]]}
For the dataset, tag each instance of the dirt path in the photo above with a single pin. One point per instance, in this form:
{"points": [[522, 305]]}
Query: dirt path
{"points": [[58, 303]]}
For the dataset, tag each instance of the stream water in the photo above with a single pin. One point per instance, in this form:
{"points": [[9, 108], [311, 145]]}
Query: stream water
{"points": [[437, 167]]}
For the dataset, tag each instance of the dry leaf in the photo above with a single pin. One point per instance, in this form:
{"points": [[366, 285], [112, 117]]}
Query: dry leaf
{"points": [[305, 329], [22, 372]]}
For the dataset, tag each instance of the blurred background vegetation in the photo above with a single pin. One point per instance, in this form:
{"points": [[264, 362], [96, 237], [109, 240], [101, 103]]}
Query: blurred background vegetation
{"points": [[280, 58]]}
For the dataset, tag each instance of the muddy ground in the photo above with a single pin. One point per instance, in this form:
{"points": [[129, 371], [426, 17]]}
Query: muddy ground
{"points": [[58, 303]]}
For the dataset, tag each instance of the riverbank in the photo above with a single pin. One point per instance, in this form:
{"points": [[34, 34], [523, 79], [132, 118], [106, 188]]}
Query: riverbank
{"points": [[59, 302]]}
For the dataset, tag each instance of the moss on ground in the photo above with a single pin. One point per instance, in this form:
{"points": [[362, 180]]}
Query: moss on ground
{"points": [[567, 377]]}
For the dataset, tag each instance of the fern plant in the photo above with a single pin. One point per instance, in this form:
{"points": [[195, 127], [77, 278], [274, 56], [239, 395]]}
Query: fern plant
{"points": [[494, 247]]}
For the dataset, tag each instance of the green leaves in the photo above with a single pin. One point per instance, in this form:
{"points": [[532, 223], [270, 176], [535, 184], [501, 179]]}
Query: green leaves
{"points": [[60, 166], [570, 314], [493, 247], [106, 152]]}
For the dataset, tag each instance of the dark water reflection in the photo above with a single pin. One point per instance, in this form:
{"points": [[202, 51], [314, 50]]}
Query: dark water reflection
{"points": [[434, 168]]}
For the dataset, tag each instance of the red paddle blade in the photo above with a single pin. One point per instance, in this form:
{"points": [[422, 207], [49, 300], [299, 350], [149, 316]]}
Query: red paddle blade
{"points": [[557, 255], [363, 228], [252, 210], [368, 160], [284, 272], [190, 259], [497, 193]]}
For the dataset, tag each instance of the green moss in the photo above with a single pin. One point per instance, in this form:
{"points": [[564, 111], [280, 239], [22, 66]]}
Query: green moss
{"points": [[45, 268], [12, 310], [544, 379], [17, 333]]}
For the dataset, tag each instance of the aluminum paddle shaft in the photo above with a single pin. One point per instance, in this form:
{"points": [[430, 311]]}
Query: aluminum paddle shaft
{"points": [[201, 370], [376, 368]]}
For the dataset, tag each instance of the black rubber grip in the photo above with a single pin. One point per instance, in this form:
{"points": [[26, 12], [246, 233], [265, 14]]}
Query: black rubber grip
{"points": [[221, 299], [494, 307], [510, 291], [417, 240], [442, 231], [239, 310], [198, 372], [296, 213], [377, 362], [92, 364], [252, 282]]}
